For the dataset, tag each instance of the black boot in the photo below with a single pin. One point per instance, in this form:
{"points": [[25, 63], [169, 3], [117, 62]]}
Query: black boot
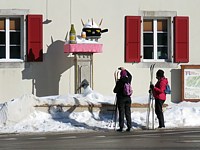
{"points": [[119, 130]]}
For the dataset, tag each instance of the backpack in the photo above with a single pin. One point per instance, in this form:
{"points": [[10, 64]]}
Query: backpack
{"points": [[168, 89], [127, 89]]}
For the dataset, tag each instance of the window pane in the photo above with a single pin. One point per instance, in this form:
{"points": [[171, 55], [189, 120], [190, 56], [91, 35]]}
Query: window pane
{"points": [[15, 38], [148, 53], [148, 38], [148, 25], [2, 52], [2, 24], [2, 38], [15, 52], [162, 53], [162, 38], [14, 24], [162, 25]]}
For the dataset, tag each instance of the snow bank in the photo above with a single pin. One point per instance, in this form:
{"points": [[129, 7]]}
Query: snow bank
{"points": [[183, 114], [19, 115], [17, 109], [3, 113], [87, 97]]}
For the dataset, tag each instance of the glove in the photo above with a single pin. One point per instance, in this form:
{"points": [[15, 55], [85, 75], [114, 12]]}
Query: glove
{"points": [[151, 86]]}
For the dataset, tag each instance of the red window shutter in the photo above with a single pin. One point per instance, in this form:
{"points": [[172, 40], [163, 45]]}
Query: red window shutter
{"points": [[34, 38], [181, 39], [132, 38]]}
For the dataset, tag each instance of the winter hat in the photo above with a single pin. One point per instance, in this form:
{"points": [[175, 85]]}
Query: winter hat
{"points": [[160, 73], [123, 73]]}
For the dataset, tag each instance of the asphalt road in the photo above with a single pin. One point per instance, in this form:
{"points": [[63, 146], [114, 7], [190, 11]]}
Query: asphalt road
{"points": [[167, 139]]}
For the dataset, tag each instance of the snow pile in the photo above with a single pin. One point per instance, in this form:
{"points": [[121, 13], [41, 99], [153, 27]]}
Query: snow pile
{"points": [[87, 97], [17, 109], [3, 113], [19, 115], [183, 114], [80, 40]]}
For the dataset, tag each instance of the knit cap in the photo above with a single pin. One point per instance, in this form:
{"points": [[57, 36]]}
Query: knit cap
{"points": [[123, 73]]}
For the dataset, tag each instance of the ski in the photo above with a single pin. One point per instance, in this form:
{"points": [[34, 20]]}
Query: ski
{"points": [[152, 98], [150, 106], [116, 75], [117, 72]]}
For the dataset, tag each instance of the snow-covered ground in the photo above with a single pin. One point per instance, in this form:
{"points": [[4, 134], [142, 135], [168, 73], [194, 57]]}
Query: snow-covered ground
{"points": [[19, 115]]}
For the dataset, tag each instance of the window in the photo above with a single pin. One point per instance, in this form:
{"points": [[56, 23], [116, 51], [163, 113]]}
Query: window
{"points": [[157, 38], [21, 36], [10, 38]]}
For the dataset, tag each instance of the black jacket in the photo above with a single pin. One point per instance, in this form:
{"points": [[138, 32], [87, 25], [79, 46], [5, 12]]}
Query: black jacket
{"points": [[119, 87]]}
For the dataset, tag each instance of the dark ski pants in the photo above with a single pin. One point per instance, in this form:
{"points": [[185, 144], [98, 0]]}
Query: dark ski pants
{"points": [[124, 107], [159, 112]]}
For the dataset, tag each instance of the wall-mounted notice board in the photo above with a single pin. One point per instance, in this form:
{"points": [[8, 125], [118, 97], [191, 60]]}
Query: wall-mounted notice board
{"points": [[190, 80]]}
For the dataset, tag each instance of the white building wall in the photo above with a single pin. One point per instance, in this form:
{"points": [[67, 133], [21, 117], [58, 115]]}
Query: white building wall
{"points": [[55, 75]]}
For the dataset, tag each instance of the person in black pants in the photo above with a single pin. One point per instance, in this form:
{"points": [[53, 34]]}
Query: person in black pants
{"points": [[123, 101], [160, 96], [159, 112]]}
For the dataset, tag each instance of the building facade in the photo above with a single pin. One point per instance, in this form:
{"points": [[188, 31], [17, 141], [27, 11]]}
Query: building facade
{"points": [[140, 33]]}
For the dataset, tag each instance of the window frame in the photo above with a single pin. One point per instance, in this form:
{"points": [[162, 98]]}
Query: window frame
{"points": [[169, 39], [7, 38], [16, 13]]}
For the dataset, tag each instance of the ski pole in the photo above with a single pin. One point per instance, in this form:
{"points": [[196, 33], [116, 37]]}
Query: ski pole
{"points": [[115, 119], [113, 111]]}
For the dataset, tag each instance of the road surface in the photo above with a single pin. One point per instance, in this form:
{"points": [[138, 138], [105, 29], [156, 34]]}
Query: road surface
{"points": [[167, 139]]}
